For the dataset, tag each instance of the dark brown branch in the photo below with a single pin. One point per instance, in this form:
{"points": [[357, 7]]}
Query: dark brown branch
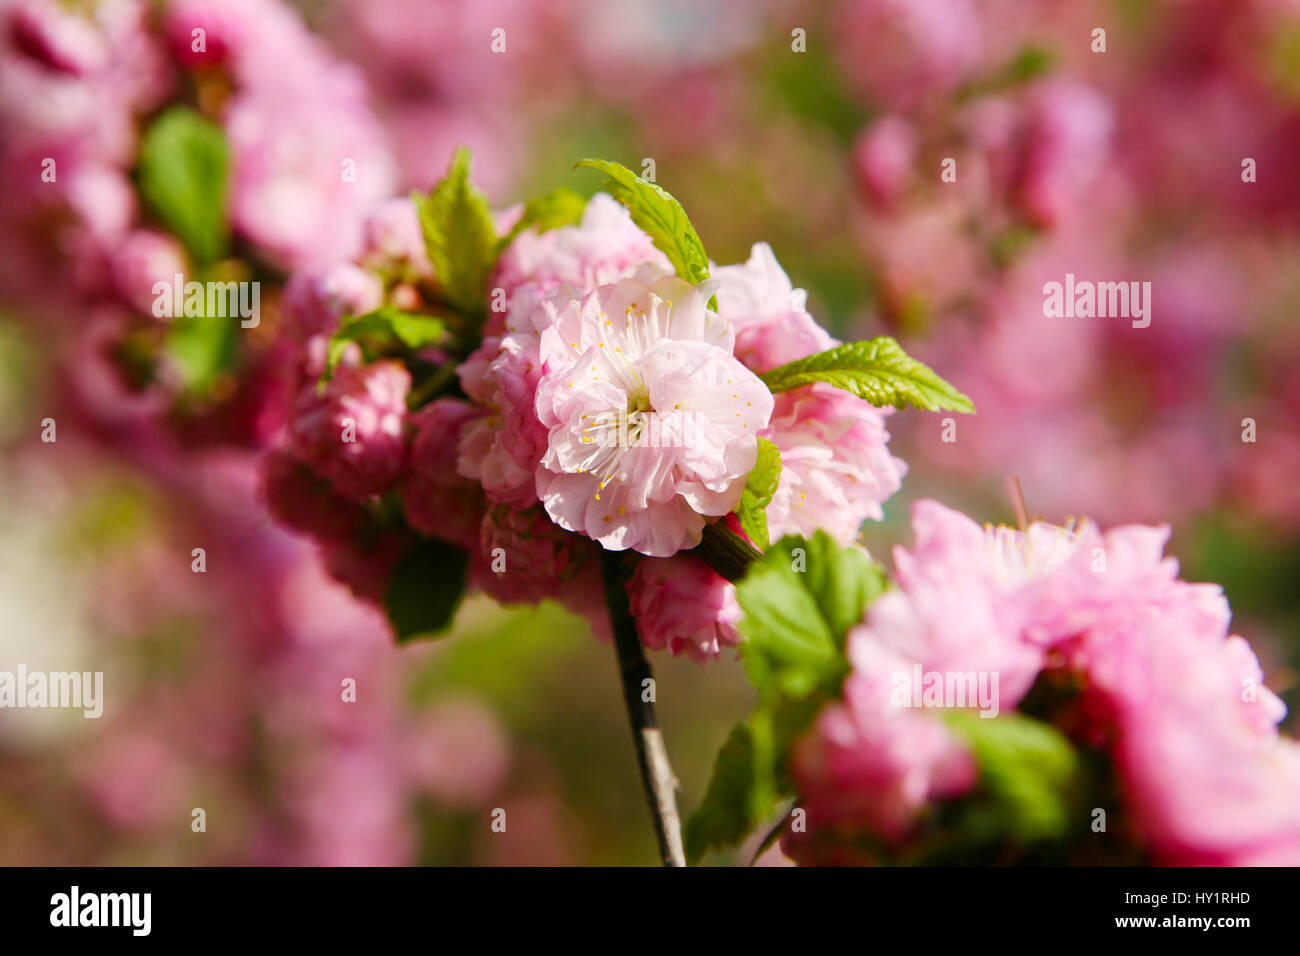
{"points": [[652, 756]]}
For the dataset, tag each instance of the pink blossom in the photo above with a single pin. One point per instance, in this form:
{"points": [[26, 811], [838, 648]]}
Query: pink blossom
{"points": [[898, 51], [1211, 781], [353, 433], [306, 502], [303, 171], [959, 604], [458, 751], [683, 606], [57, 38], [868, 763], [314, 303], [604, 247], [144, 258], [437, 500], [525, 558], [885, 155], [501, 449], [316, 299], [836, 469], [367, 562], [767, 313], [1067, 140], [391, 239], [652, 422]]}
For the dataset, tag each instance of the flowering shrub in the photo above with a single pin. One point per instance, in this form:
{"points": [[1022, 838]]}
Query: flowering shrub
{"points": [[569, 400], [575, 386]]}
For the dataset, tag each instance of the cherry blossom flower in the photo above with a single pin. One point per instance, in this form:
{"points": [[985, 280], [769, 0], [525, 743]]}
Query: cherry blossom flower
{"points": [[652, 422]]}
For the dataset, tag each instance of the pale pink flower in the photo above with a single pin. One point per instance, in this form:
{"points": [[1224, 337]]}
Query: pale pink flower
{"points": [[652, 422], [353, 433], [58, 38], [767, 313], [836, 469], [681, 605]]}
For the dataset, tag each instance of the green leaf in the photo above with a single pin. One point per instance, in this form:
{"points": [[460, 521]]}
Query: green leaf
{"points": [[659, 215], [386, 331], [198, 349], [1027, 773], [760, 486], [426, 589], [843, 581], [729, 809], [749, 775], [877, 370], [459, 235], [800, 599], [182, 178], [560, 207]]}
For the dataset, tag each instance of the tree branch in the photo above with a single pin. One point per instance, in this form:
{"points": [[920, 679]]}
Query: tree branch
{"points": [[725, 552], [652, 756]]}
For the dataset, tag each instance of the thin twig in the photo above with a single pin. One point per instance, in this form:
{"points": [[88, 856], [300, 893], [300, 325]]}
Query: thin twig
{"points": [[652, 756]]}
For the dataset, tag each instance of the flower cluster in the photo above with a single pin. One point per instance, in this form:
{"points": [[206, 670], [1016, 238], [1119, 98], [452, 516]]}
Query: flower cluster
{"points": [[215, 140], [597, 402], [1093, 632]]}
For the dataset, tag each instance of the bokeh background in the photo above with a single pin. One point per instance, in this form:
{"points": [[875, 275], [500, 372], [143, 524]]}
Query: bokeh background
{"points": [[819, 127]]}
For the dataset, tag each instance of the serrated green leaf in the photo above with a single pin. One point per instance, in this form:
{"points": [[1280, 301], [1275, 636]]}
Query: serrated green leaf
{"points": [[560, 207], [425, 589], [659, 215], [843, 581], [459, 235], [800, 599], [386, 331], [877, 370], [760, 486], [182, 178]]}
